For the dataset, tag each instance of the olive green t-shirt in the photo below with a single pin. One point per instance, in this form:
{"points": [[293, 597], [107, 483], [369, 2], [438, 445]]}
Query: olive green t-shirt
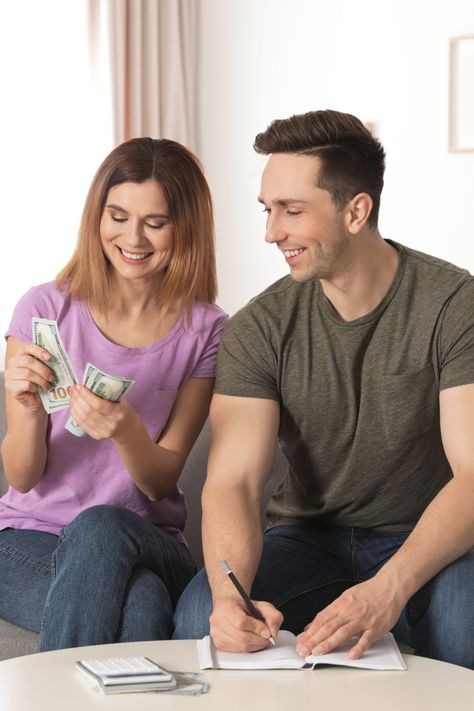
{"points": [[359, 401]]}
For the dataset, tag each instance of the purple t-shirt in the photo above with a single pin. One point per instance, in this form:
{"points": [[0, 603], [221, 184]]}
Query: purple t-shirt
{"points": [[83, 472]]}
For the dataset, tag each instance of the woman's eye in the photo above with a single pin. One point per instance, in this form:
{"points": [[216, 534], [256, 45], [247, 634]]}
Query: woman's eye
{"points": [[118, 219], [267, 210], [294, 213], [155, 227]]}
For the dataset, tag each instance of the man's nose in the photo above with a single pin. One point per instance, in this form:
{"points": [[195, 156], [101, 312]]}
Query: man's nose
{"points": [[274, 230]]}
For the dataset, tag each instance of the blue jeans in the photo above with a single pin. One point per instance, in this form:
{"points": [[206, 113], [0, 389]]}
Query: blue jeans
{"points": [[304, 568], [110, 576]]}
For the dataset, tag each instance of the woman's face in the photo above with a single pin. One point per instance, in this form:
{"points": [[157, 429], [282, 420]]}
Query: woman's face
{"points": [[136, 231]]}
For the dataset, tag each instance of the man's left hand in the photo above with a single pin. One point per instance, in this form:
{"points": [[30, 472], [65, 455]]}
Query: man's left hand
{"points": [[367, 610]]}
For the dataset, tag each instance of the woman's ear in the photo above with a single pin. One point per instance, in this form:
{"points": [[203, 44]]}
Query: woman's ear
{"points": [[358, 211]]}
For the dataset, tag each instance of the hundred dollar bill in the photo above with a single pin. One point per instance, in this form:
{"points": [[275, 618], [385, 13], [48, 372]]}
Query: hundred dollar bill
{"points": [[46, 335], [108, 387]]}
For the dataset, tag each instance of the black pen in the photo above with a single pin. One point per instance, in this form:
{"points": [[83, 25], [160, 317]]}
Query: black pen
{"points": [[251, 607]]}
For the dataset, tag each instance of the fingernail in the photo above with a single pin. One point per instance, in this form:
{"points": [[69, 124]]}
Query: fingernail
{"points": [[45, 355], [302, 651], [319, 649], [265, 633]]}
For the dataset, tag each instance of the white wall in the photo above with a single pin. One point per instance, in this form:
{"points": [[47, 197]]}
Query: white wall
{"points": [[55, 128], [384, 61]]}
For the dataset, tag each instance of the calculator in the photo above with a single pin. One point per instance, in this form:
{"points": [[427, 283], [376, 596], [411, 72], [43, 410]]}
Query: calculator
{"points": [[125, 666], [127, 673]]}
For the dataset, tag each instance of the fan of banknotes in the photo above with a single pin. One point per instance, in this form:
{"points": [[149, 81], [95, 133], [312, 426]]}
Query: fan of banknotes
{"points": [[58, 397]]}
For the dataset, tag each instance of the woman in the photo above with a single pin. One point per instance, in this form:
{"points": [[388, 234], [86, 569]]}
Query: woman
{"points": [[92, 547]]}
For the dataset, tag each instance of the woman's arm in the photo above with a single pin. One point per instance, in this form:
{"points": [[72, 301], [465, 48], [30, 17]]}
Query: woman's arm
{"points": [[154, 466], [24, 447]]}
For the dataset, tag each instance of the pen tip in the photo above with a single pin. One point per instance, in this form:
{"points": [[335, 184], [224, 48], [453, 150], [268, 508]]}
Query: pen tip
{"points": [[225, 566]]}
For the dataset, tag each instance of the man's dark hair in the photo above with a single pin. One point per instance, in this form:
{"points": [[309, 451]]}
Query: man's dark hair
{"points": [[352, 160]]}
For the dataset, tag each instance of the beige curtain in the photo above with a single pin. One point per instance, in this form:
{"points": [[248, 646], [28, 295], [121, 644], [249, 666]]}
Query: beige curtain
{"points": [[153, 60]]}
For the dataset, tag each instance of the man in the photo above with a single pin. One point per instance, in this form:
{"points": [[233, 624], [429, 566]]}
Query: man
{"points": [[362, 363]]}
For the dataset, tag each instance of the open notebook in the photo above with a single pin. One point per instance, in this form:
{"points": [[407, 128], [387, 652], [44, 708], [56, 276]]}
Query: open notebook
{"points": [[384, 654]]}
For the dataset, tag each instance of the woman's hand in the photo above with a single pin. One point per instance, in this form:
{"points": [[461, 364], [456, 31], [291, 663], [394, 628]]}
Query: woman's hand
{"points": [[100, 418], [26, 372]]}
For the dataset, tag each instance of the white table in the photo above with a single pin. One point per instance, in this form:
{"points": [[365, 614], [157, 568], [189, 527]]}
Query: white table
{"points": [[49, 682]]}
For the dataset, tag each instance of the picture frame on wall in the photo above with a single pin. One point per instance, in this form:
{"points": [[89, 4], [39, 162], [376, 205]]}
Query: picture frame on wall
{"points": [[461, 94]]}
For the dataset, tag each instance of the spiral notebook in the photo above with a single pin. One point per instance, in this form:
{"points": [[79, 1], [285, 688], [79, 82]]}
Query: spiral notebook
{"points": [[383, 655]]}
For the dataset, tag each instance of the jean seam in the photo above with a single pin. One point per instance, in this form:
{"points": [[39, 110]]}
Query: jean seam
{"points": [[53, 578], [355, 565], [22, 559]]}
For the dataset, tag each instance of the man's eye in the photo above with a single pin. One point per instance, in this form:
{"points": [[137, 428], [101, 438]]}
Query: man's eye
{"points": [[267, 210], [294, 212], [118, 219]]}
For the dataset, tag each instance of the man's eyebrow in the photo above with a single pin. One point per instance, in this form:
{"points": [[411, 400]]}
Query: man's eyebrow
{"points": [[111, 206], [285, 201]]}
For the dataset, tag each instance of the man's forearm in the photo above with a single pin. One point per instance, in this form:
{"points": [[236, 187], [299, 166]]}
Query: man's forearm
{"points": [[231, 531], [444, 533]]}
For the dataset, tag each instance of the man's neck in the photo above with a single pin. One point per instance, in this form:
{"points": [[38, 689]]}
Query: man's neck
{"points": [[360, 289]]}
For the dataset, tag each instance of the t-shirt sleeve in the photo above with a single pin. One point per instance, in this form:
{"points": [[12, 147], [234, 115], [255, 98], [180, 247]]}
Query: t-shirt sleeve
{"points": [[457, 339], [206, 365], [20, 324], [246, 364]]}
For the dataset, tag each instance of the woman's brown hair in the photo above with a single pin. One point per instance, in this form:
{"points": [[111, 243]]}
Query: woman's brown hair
{"points": [[191, 273]]}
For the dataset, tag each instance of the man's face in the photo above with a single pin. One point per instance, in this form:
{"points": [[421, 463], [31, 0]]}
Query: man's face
{"points": [[302, 220]]}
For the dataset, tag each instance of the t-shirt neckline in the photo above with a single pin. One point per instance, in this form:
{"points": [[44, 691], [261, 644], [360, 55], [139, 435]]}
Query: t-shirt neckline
{"points": [[381, 306], [115, 347]]}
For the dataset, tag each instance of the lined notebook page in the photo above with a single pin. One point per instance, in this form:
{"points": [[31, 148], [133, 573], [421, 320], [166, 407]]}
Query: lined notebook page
{"points": [[383, 654], [281, 656]]}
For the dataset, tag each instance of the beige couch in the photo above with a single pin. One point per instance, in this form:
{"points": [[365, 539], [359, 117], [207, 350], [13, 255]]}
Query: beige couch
{"points": [[15, 641]]}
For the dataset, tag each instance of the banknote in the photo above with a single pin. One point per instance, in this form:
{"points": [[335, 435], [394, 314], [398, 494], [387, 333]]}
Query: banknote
{"points": [[108, 387], [46, 335]]}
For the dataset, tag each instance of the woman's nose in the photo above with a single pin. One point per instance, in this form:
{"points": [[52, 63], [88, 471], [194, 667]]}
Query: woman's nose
{"points": [[134, 232]]}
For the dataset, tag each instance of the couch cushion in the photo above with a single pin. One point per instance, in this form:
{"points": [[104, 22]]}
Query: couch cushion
{"points": [[15, 641]]}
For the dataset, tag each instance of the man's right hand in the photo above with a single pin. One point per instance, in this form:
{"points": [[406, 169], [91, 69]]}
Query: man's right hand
{"points": [[233, 629]]}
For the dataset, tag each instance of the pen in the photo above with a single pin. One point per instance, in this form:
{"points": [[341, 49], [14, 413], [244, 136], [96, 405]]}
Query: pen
{"points": [[251, 607]]}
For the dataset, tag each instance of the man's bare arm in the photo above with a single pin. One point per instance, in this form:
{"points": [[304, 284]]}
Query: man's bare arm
{"points": [[244, 432], [444, 532]]}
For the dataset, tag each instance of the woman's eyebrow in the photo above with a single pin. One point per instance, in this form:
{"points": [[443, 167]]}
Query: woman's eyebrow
{"points": [[112, 206]]}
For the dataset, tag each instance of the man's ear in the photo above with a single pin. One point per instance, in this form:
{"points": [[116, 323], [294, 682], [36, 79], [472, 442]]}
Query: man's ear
{"points": [[358, 211]]}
